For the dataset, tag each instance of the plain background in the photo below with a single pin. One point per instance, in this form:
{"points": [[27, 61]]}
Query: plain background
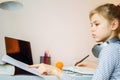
{"points": [[60, 26]]}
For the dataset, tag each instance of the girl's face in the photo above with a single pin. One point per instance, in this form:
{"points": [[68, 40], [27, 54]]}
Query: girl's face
{"points": [[101, 29]]}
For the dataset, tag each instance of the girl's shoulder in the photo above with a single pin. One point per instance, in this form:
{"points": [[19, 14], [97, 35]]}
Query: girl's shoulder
{"points": [[113, 46], [110, 51]]}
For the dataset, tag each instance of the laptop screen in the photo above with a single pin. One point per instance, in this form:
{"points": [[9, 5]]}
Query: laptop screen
{"points": [[19, 50]]}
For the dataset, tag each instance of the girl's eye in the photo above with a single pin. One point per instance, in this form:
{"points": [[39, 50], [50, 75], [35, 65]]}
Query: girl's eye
{"points": [[96, 24]]}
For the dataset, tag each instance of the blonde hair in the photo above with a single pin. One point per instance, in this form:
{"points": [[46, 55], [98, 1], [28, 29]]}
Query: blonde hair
{"points": [[108, 11]]}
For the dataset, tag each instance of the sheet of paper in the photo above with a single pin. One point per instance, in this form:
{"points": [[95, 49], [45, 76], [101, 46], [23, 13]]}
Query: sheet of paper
{"points": [[81, 70]]}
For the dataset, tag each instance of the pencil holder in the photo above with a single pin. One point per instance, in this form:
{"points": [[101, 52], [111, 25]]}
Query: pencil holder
{"points": [[45, 60]]}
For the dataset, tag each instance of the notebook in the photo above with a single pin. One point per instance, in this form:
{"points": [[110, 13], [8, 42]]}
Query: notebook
{"points": [[80, 70]]}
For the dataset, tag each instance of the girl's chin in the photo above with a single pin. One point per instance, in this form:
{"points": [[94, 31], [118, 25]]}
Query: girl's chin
{"points": [[97, 40]]}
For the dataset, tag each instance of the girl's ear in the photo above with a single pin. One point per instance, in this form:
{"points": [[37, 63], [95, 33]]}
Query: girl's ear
{"points": [[115, 24]]}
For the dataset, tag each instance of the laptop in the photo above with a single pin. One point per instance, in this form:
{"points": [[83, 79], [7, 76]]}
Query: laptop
{"points": [[19, 54]]}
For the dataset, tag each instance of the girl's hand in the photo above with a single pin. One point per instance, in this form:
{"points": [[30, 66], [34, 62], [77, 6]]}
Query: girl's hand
{"points": [[46, 69], [82, 64], [87, 64]]}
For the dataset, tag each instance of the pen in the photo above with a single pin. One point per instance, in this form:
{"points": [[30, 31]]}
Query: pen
{"points": [[82, 60]]}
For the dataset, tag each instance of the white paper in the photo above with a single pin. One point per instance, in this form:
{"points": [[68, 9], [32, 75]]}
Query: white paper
{"points": [[81, 70]]}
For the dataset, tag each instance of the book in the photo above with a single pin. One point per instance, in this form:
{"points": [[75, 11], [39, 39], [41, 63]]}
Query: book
{"points": [[7, 69]]}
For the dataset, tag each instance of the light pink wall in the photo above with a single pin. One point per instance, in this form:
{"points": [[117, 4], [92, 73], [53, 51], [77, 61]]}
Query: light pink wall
{"points": [[60, 26]]}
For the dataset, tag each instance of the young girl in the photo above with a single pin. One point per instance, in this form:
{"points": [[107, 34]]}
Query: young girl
{"points": [[105, 27]]}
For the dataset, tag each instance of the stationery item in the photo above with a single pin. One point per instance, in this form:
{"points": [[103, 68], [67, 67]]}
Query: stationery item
{"points": [[82, 60], [20, 64], [7, 69], [46, 59], [80, 70]]}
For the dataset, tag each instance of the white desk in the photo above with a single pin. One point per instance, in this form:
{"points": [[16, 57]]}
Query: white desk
{"points": [[32, 77], [29, 77]]}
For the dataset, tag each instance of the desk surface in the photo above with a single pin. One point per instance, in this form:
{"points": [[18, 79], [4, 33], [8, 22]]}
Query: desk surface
{"points": [[29, 77]]}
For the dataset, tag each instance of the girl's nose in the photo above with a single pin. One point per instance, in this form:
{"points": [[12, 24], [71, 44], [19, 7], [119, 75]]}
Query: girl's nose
{"points": [[93, 29]]}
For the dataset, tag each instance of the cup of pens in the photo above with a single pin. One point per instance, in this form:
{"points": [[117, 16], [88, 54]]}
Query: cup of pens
{"points": [[46, 59]]}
